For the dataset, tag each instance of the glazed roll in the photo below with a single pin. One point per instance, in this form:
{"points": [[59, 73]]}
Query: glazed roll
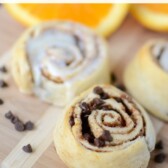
{"points": [[104, 127], [146, 77], [58, 60]]}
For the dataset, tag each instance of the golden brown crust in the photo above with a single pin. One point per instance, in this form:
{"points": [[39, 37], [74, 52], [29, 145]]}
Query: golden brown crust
{"points": [[147, 82], [128, 131]]}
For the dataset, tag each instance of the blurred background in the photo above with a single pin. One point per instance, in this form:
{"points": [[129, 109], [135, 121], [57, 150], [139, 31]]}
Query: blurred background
{"points": [[126, 26]]}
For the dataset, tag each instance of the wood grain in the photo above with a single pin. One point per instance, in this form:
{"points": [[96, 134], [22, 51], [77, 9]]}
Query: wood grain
{"points": [[123, 46]]}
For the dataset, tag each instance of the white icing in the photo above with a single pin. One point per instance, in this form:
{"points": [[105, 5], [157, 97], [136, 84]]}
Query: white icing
{"points": [[164, 60], [161, 56], [57, 50]]}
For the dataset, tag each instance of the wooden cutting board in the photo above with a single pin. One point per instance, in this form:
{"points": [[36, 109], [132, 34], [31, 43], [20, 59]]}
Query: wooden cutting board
{"points": [[123, 46]]}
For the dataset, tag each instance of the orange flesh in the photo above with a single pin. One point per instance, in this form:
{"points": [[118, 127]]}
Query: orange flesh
{"points": [[158, 8], [89, 14]]}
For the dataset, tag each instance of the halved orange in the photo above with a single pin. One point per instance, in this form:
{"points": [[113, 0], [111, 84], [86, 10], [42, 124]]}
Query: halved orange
{"points": [[105, 18], [152, 16]]}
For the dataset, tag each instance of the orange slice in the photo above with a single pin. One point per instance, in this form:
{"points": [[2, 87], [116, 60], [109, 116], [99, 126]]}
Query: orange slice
{"points": [[152, 16], [105, 18]]}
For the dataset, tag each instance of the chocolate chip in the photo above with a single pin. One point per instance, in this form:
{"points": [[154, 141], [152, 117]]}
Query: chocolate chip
{"points": [[3, 84], [159, 145], [106, 136], [104, 96], [71, 121], [121, 87], [19, 126], [98, 142], [98, 90], [96, 103], [15, 119], [29, 125], [85, 107], [3, 69], [159, 158], [106, 107], [9, 115], [27, 148], [1, 102], [87, 136]]}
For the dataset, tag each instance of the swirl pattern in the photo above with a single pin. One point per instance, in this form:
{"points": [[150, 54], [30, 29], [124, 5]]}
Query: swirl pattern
{"points": [[106, 120], [63, 50], [58, 60]]}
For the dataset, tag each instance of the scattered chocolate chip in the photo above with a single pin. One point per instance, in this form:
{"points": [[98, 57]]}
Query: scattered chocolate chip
{"points": [[98, 90], [121, 87], [15, 119], [98, 142], [106, 136], [9, 115], [104, 96], [3, 69], [113, 78], [159, 158], [71, 121], [1, 102], [19, 126], [27, 148], [3, 84], [159, 145], [29, 125], [85, 107]]}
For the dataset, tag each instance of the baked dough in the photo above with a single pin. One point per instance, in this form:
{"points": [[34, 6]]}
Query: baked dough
{"points": [[58, 60], [146, 77], [104, 127]]}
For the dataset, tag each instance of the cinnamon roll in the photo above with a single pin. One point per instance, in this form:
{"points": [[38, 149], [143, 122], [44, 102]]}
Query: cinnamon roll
{"points": [[146, 77], [104, 127], [58, 60]]}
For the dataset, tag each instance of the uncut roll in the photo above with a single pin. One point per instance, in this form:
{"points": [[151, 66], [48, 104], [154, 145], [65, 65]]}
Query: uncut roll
{"points": [[58, 60], [146, 77], [104, 127]]}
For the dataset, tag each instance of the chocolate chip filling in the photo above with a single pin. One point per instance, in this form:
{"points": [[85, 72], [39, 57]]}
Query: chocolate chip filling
{"points": [[86, 131], [119, 100], [96, 103], [106, 136], [99, 103], [99, 143], [85, 107], [71, 121], [99, 91]]}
